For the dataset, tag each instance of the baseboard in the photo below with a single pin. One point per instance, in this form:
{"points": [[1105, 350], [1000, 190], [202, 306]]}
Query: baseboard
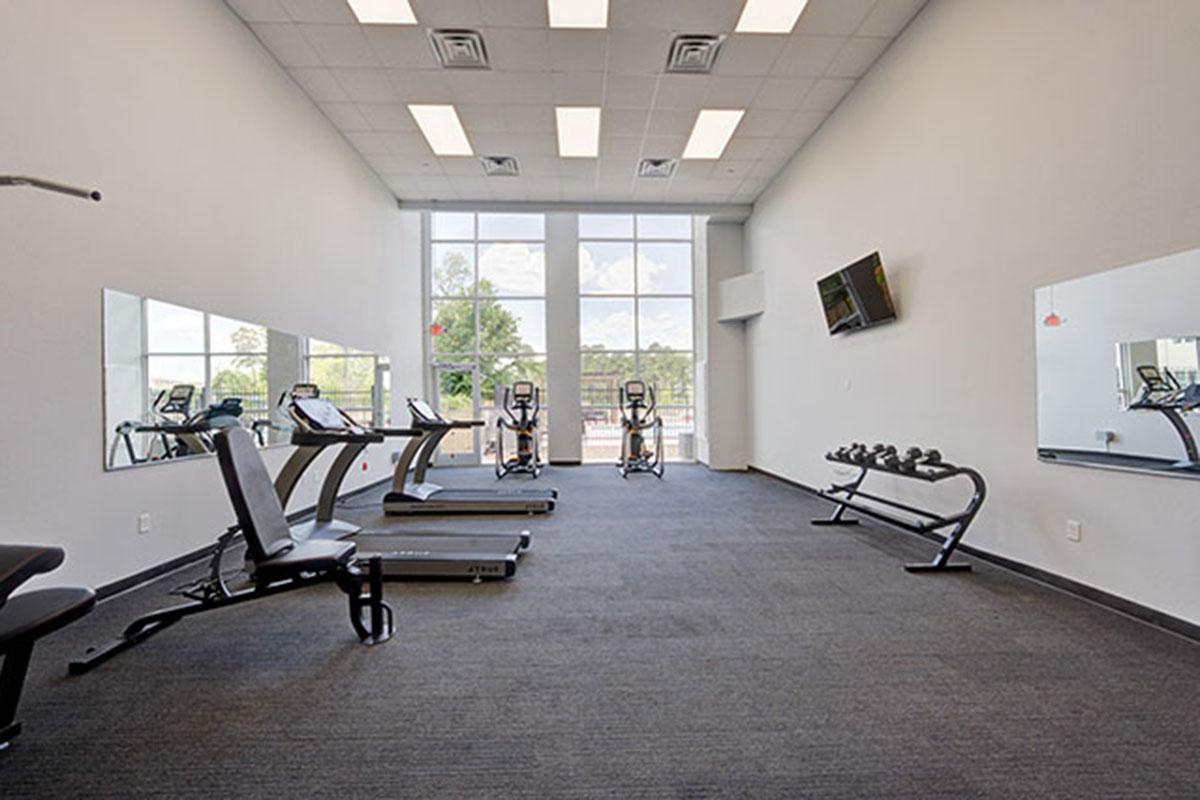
{"points": [[1121, 605], [188, 559], [566, 462]]}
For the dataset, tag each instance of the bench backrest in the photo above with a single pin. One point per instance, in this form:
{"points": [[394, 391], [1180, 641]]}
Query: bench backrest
{"points": [[252, 493]]}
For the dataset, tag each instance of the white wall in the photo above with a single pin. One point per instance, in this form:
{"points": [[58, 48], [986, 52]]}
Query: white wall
{"points": [[996, 147], [1077, 385], [721, 427], [224, 189]]}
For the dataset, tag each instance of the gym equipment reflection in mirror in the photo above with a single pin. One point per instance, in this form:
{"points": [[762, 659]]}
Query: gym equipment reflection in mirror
{"points": [[1136, 323], [173, 376]]}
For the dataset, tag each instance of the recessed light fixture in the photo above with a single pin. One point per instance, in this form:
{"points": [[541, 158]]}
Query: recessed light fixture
{"points": [[578, 131], [383, 12], [442, 129], [578, 13], [713, 129], [770, 16]]}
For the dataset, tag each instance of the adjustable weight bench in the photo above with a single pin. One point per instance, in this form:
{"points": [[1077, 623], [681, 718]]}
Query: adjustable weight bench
{"points": [[279, 562], [28, 617]]}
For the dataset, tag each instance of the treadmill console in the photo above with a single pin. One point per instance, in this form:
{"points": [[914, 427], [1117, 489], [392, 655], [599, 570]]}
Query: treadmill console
{"points": [[323, 415], [423, 411]]}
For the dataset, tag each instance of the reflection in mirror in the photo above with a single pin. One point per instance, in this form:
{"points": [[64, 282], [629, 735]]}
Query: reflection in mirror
{"points": [[174, 375], [1118, 358]]}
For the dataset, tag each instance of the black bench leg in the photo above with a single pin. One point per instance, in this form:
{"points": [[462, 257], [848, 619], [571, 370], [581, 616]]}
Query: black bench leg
{"points": [[380, 615], [12, 680]]}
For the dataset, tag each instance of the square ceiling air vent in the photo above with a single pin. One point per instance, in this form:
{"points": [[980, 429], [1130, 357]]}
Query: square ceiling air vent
{"points": [[694, 53], [500, 166], [459, 49], [656, 167]]}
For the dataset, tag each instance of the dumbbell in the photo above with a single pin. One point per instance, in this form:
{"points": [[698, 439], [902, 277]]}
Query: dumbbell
{"points": [[892, 461], [931, 457], [913, 453]]}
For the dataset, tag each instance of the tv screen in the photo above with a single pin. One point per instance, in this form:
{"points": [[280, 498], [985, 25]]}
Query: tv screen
{"points": [[857, 296]]}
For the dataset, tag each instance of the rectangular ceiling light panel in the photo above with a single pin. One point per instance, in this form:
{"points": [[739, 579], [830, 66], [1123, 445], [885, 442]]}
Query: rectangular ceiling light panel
{"points": [[383, 12], [442, 129], [578, 131], [578, 13], [770, 16], [712, 132]]}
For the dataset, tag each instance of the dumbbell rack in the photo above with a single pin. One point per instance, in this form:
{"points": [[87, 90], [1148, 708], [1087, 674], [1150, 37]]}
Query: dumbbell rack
{"points": [[928, 522]]}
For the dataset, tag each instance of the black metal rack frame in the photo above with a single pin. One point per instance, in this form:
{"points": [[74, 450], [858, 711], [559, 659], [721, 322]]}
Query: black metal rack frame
{"points": [[928, 522]]}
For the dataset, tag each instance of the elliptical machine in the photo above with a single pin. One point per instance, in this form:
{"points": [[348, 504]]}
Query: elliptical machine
{"points": [[638, 418], [521, 404]]}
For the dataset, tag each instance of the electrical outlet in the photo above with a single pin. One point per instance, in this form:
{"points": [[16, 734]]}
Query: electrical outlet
{"points": [[1074, 530], [143, 523]]}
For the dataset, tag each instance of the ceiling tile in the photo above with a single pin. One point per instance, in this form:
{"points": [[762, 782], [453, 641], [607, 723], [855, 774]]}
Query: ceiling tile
{"points": [[802, 124], [726, 92], [681, 91], [833, 17], [259, 10], [469, 86], [889, 17], [345, 116], [671, 122], [366, 85], [749, 54], [401, 46], [530, 118], [693, 171], [287, 44], [577, 51], [417, 165], [515, 13], [761, 122], [663, 146], [387, 116], [629, 91], [334, 11], [367, 142], [637, 52], [782, 93], [540, 166], [577, 88], [808, 56], [729, 169], [767, 167], [407, 143], [463, 166], [522, 87], [419, 86], [449, 13], [523, 49], [826, 94], [319, 84], [481, 118], [617, 167], [629, 122], [620, 145], [857, 56], [341, 45]]}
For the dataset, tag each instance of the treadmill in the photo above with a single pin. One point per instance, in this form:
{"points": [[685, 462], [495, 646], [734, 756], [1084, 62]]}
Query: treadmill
{"points": [[318, 425], [420, 496]]}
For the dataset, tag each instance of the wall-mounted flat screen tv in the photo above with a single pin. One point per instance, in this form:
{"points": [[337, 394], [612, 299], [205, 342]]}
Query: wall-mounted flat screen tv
{"points": [[857, 296]]}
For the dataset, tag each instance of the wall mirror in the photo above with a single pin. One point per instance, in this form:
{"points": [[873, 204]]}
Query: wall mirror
{"points": [[1118, 356], [173, 375]]}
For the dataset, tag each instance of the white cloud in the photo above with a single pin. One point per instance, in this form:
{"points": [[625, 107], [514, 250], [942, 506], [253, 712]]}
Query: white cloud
{"points": [[514, 268], [608, 323]]}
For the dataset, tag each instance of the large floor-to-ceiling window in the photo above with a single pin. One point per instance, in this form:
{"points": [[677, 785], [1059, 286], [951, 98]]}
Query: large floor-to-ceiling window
{"points": [[487, 290], [635, 321]]}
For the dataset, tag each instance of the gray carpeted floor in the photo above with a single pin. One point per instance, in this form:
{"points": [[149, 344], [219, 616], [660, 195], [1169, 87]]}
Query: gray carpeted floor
{"points": [[690, 638]]}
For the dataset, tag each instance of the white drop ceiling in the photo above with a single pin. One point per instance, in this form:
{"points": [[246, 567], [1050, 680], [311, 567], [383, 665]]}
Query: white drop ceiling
{"points": [[363, 76]]}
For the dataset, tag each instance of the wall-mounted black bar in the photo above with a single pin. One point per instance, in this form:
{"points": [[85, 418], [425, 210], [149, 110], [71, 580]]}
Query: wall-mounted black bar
{"points": [[50, 186]]}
